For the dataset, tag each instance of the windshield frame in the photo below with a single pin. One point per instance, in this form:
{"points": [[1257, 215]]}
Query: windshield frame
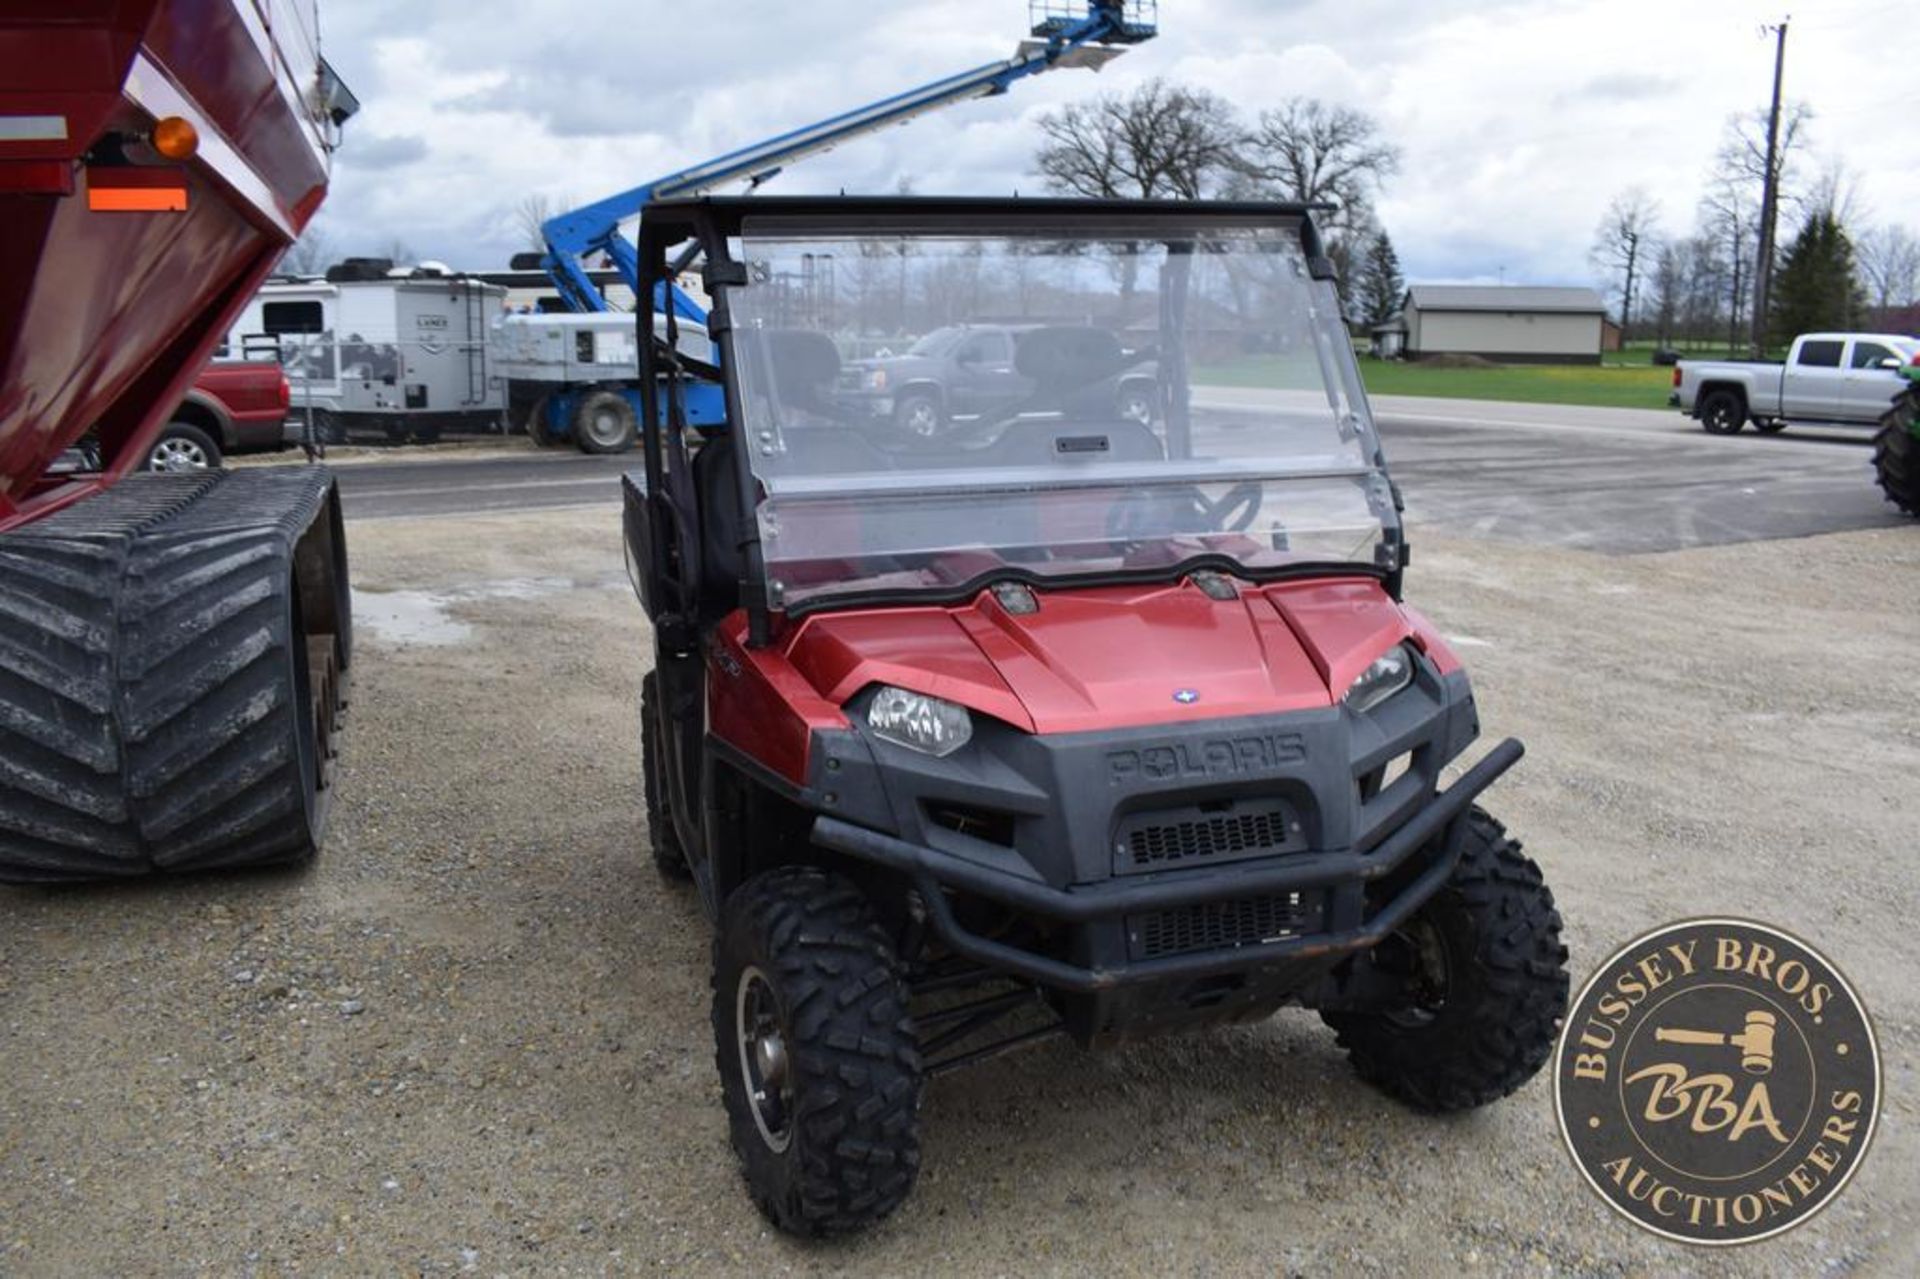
{"points": [[716, 223]]}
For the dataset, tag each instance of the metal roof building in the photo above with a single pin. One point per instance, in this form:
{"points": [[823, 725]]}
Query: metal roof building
{"points": [[1506, 325]]}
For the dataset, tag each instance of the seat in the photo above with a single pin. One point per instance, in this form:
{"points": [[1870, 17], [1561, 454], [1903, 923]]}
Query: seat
{"points": [[1072, 369], [794, 368]]}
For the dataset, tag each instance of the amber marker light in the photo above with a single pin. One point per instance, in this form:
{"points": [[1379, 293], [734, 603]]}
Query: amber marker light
{"points": [[175, 138]]}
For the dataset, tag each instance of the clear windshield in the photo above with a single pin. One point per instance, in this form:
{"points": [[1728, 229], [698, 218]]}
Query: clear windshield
{"points": [[935, 343], [1129, 399]]}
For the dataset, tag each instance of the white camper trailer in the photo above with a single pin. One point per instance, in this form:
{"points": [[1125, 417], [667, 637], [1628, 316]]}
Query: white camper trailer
{"points": [[369, 348]]}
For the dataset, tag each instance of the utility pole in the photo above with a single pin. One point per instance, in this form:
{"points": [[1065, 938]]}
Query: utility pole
{"points": [[1769, 199]]}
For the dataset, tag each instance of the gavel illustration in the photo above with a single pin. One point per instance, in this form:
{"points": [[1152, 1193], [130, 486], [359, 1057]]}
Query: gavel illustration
{"points": [[1755, 1042]]}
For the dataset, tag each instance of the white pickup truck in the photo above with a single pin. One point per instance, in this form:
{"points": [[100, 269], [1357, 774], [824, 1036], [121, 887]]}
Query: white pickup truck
{"points": [[1844, 378]]}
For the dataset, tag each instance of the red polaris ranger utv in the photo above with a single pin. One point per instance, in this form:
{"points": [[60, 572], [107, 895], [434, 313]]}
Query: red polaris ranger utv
{"points": [[1066, 718]]}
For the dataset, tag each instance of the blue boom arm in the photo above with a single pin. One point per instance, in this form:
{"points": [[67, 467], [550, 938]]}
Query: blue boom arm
{"points": [[1061, 41]]}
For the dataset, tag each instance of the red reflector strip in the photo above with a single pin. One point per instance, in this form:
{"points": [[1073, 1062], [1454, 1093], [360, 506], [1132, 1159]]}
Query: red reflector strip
{"points": [[36, 177], [115, 190]]}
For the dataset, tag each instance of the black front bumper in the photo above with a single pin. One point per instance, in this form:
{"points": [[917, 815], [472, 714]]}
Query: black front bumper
{"points": [[1425, 847]]}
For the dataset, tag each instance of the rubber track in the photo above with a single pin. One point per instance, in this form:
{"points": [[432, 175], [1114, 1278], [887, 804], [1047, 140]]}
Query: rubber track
{"points": [[1483, 1051], [856, 1146], [1896, 453], [147, 717]]}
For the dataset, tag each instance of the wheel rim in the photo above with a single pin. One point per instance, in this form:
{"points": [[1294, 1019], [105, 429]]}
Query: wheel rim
{"points": [[1135, 408], [765, 1069], [1720, 418], [179, 455], [1429, 975], [605, 427], [923, 419]]}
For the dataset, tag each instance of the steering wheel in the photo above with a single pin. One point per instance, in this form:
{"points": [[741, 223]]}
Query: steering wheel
{"points": [[1242, 503], [1143, 512], [1135, 514]]}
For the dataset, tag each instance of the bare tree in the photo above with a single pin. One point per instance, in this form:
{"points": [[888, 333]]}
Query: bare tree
{"points": [[1743, 149], [311, 253], [1889, 259], [1623, 243], [1316, 153], [1729, 219], [1836, 190], [1668, 288], [530, 215], [1740, 174], [1319, 153], [1162, 140], [398, 252]]}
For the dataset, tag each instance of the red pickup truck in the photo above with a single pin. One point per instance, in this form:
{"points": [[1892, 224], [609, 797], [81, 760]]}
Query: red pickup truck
{"points": [[234, 406]]}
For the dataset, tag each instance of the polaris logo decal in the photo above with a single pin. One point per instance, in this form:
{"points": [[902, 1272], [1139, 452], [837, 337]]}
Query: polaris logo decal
{"points": [[1220, 757]]}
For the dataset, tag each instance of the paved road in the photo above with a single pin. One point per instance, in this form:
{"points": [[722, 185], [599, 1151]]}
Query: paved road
{"points": [[1607, 479]]}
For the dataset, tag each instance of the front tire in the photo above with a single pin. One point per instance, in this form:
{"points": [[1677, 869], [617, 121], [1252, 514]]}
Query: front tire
{"points": [[818, 1058], [918, 414], [1488, 977], [1723, 413]]}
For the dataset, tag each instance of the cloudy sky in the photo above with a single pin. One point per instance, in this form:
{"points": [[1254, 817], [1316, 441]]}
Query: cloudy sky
{"points": [[1518, 121]]}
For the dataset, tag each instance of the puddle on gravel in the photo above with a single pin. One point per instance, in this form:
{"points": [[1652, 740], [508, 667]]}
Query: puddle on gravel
{"points": [[425, 617]]}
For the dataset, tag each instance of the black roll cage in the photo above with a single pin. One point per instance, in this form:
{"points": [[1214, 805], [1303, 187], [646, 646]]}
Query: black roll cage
{"points": [[703, 228]]}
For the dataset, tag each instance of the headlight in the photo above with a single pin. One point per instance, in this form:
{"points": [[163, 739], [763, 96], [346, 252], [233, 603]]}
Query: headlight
{"points": [[1390, 672], [918, 722]]}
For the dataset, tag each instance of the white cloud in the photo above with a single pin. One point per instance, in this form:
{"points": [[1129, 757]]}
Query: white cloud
{"points": [[1518, 121]]}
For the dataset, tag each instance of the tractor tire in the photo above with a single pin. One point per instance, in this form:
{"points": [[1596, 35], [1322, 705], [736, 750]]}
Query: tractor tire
{"points": [[182, 446], [1489, 1023], [669, 858], [605, 423], [173, 657], [1896, 454], [1723, 413], [819, 1061]]}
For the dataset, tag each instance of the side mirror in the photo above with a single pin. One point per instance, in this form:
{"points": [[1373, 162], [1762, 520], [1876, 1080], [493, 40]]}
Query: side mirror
{"points": [[1890, 364]]}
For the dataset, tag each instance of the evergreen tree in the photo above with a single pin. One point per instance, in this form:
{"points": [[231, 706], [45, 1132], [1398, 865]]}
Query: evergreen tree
{"points": [[1381, 283], [1816, 287]]}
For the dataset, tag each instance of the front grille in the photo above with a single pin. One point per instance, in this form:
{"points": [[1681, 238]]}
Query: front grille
{"points": [[1151, 841], [1222, 925]]}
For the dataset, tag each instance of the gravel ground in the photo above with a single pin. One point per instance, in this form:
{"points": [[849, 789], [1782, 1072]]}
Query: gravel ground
{"points": [[474, 1037]]}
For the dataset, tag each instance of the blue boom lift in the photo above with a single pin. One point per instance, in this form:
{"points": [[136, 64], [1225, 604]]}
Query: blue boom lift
{"points": [[1065, 33]]}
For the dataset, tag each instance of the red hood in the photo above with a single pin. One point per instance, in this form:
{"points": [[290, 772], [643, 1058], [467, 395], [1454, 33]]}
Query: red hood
{"points": [[1118, 656]]}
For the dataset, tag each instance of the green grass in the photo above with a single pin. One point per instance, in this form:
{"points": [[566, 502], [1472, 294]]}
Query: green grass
{"points": [[1634, 386]]}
